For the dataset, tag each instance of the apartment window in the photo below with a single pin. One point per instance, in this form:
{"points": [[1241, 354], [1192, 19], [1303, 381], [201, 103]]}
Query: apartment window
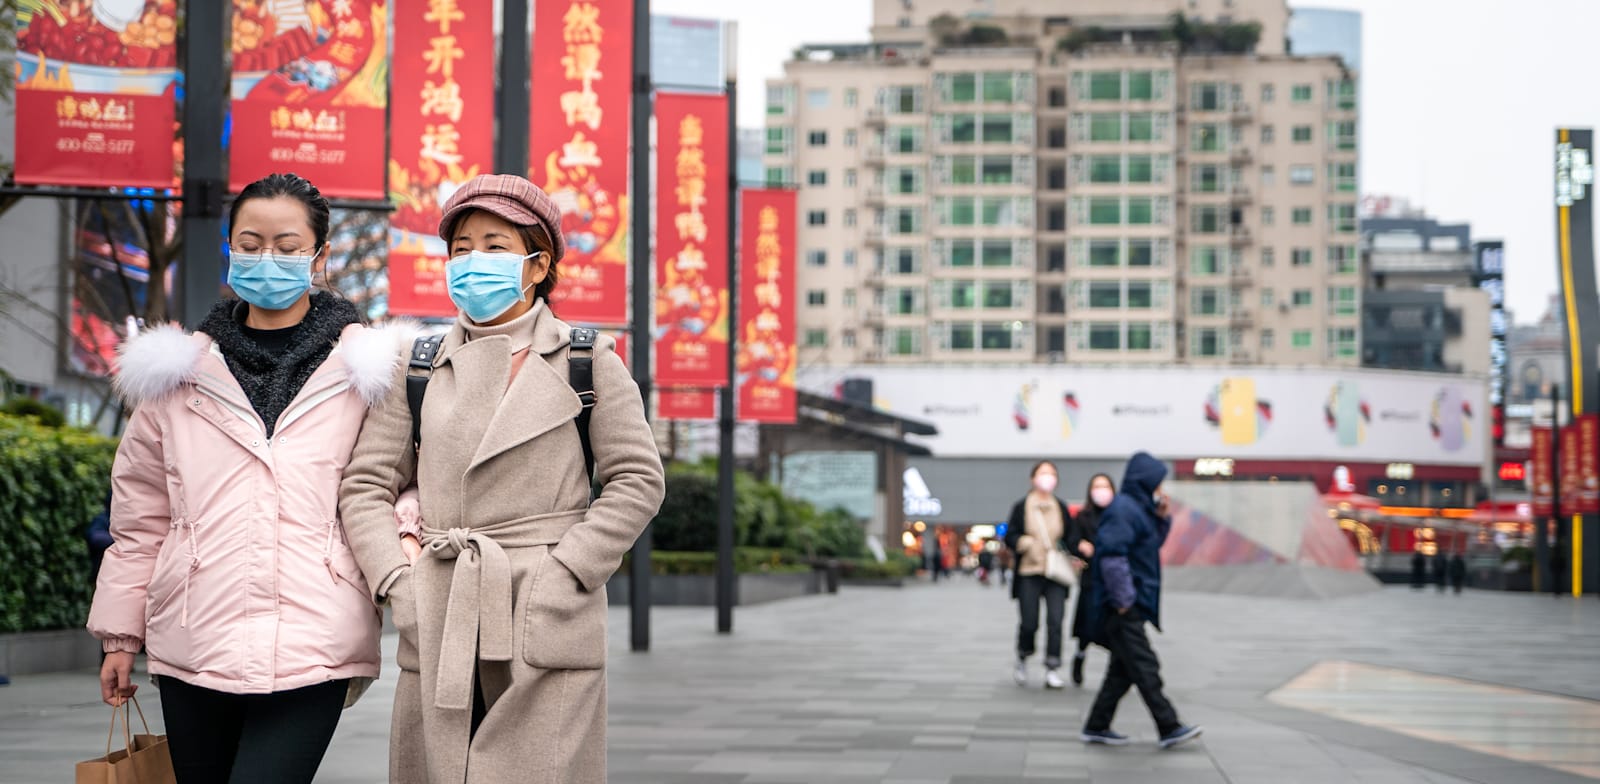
{"points": [[1207, 342], [907, 220], [1268, 216], [778, 176], [1140, 294], [904, 100], [1301, 216], [1141, 211], [850, 217], [963, 253], [1140, 336], [906, 180], [816, 298], [997, 253], [1342, 177], [963, 337], [778, 98], [1206, 137], [905, 342], [964, 170], [1266, 134], [1055, 258], [997, 87], [850, 257], [1302, 134], [817, 99], [1105, 168], [905, 302], [1342, 259], [852, 96], [1302, 174], [817, 177], [997, 129], [996, 170], [1207, 96], [907, 139], [1105, 336], [1267, 256], [1105, 294], [1206, 219], [1266, 339], [1141, 253], [816, 258], [963, 128], [850, 137], [1105, 253], [963, 294], [906, 261], [849, 298], [1000, 337], [778, 140], [1342, 135], [1300, 298], [847, 338], [1342, 342], [1055, 339], [1300, 257], [1105, 127], [817, 138], [998, 294], [1342, 94], [1269, 177], [1300, 93], [1141, 85], [963, 88], [1105, 86], [1300, 339], [1141, 127], [1105, 211], [1342, 218], [1343, 300], [1266, 298], [1205, 178], [1207, 301], [850, 178], [816, 338], [1205, 260], [1057, 97], [1267, 93], [962, 211], [1142, 168], [817, 218]]}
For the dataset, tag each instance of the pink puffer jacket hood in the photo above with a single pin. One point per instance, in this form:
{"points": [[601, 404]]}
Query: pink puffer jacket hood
{"points": [[229, 563]]}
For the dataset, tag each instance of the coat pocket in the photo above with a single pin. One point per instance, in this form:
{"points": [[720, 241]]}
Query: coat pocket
{"points": [[403, 607], [565, 625]]}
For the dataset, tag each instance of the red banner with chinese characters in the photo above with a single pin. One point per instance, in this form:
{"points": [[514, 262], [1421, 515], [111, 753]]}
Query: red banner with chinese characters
{"points": [[95, 90], [310, 83], [1586, 492], [1542, 485], [578, 147], [766, 357], [691, 329], [1571, 479], [441, 135], [682, 404]]}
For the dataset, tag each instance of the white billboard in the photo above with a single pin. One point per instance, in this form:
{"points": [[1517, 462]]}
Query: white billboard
{"points": [[1178, 413]]}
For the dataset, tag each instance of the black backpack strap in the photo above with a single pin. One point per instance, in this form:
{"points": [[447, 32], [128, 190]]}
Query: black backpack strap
{"points": [[420, 369], [580, 373]]}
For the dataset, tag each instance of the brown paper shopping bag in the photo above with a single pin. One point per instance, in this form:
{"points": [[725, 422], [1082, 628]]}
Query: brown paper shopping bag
{"points": [[143, 759]]}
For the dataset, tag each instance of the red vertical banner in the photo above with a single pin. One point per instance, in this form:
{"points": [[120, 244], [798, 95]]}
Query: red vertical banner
{"points": [[1543, 484], [95, 91], [441, 135], [692, 215], [1587, 497], [578, 147], [1571, 480], [766, 360], [310, 84], [681, 404]]}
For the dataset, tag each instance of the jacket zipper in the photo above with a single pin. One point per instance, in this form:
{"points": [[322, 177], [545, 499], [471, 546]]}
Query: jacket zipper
{"points": [[194, 565]]}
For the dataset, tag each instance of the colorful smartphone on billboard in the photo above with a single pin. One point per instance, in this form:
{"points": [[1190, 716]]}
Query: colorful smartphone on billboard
{"points": [[1347, 414], [1237, 404]]}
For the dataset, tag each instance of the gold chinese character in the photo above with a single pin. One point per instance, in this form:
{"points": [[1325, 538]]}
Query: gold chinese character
{"points": [[581, 106], [115, 112], [768, 219], [303, 120], [581, 24], [351, 28], [691, 163], [282, 118], [441, 143], [442, 99], [443, 12], [691, 225], [443, 56], [90, 109], [341, 8], [343, 52], [769, 295], [67, 108], [582, 62], [692, 192], [690, 131]]}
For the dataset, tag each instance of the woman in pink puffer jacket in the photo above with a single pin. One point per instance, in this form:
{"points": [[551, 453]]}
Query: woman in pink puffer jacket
{"points": [[230, 568]]}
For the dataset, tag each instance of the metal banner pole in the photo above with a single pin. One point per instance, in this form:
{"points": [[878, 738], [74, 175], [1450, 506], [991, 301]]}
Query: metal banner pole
{"points": [[727, 579], [205, 105], [642, 298]]}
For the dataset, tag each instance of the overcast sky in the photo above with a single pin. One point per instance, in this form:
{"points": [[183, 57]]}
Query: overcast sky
{"points": [[1461, 99]]}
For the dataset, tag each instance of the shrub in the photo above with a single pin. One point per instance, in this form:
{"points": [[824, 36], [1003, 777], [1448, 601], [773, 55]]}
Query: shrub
{"points": [[746, 560], [48, 415], [53, 481], [688, 516]]}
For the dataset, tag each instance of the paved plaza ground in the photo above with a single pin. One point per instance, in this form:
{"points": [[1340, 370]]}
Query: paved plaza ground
{"points": [[914, 685]]}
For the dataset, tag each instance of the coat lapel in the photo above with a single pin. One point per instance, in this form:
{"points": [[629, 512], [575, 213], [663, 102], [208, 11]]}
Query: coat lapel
{"points": [[538, 400]]}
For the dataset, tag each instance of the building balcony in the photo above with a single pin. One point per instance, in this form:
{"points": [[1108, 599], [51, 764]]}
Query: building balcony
{"points": [[874, 117], [873, 197], [1241, 193], [871, 354], [1240, 236], [873, 155], [1242, 113], [1241, 276], [1241, 317], [1240, 155], [872, 316], [874, 238], [872, 277]]}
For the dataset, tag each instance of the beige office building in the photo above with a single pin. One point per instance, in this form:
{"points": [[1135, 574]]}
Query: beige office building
{"points": [[982, 184]]}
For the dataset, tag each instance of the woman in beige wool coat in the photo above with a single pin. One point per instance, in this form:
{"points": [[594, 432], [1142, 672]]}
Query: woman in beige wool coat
{"points": [[502, 616]]}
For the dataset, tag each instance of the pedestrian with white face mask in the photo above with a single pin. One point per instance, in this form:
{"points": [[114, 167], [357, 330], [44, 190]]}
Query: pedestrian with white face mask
{"points": [[1086, 522], [1038, 531]]}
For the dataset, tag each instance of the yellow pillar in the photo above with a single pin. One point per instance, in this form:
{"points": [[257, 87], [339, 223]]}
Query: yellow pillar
{"points": [[1577, 555]]}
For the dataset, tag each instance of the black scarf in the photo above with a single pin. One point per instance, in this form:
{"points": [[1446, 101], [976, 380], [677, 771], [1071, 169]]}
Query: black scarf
{"points": [[272, 380]]}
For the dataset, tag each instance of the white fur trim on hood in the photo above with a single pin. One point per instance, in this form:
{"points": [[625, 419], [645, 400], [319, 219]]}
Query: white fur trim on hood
{"points": [[156, 362], [373, 356]]}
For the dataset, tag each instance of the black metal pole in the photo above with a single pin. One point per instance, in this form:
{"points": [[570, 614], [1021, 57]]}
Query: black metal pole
{"points": [[1549, 579], [727, 580], [511, 103], [205, 106], [639, 348]]}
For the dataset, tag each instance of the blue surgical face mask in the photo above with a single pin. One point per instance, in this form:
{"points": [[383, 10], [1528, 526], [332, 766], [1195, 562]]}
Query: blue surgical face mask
{"points": [[485, 285], [271, 281]]}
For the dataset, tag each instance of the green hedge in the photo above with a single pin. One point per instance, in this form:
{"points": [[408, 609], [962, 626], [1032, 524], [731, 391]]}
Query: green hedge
{"points": [[763, 517], [52, 483], [746, 560]]}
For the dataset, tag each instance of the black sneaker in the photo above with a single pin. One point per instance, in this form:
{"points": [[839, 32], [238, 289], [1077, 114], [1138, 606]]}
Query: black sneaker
{"points": [[1104, 737], [1077, 669], [1183, 734]]}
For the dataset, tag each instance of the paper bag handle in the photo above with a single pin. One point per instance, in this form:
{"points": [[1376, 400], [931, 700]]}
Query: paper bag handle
{"points": [[127, 732]]}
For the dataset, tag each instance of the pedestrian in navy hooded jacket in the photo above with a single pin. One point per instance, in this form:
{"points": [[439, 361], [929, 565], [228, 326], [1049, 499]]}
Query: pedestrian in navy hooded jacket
{"points": [[1124, 593]]}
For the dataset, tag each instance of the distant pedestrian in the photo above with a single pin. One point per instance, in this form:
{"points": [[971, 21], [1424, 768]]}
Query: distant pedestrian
{"points": [[99, 538], [1458, 572], [1039, 523], [1125, 592], [985, 565], [1419, 570], [1003, 563], [1441, 569], [1101, 491]]}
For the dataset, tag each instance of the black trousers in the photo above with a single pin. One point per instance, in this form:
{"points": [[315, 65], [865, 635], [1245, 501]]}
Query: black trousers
{"points": [[1133, 663], [278, 738], [1030, 589]]}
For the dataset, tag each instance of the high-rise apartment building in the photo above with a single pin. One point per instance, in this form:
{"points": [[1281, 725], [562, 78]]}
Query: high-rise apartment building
{"points": [[981, 183]]}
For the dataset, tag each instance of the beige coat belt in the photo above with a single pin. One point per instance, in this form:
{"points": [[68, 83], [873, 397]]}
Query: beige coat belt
{"points": [[478, 610]]}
